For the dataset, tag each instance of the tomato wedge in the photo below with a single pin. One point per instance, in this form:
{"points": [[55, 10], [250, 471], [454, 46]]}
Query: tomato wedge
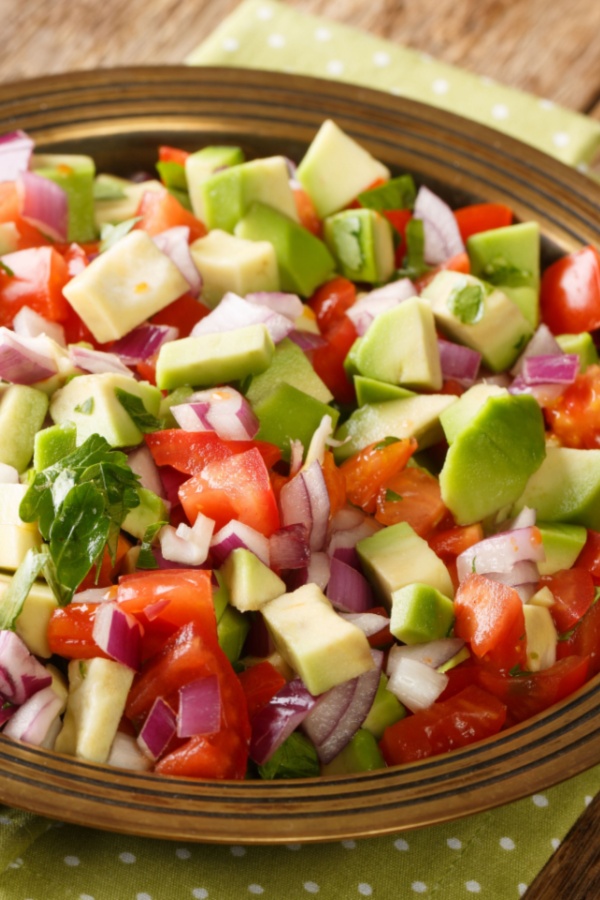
{"points": [[570, 293], [190, 451], [489, 615], [573, 591], [482, 217], [37, 277], [70, 631], [260, 683], [372, 467], [160, 210]]}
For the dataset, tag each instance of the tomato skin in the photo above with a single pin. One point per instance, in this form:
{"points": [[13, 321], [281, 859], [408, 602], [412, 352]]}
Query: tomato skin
{"points": [[421, 504], [330, 302], [183, 313], [215, 757], [468, 716], [172, 154], [335, 483], [190, 451], [160, 210], [584, 641], [39, 275], [307, 212], [260, 683], [482, 217], [570, 293], [108, 569], [458, 263], [328, 361], [451, 542], [70, 631], [574, 417], [573, 591], [489, 616], [589, 558], [367, 471]]}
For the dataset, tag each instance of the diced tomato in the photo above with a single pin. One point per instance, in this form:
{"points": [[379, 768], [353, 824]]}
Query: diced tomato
{"points": [[384, 637], [589, 558], [469, 716], [451, 542], [182, 313], [454, 388], [172, 154], [372, 467], [482, 217], [10, 211], [458, 263], [328, 361], [584, 640], [160, 210], [37, 280], [108, 569], [70, 631], [163, 600], [260, 683], [330, 302], [190, 451], [335, 482], [489, 616], [573, 591], [413, 496], [570, 293], [307, 212], [237, 487], [575, 416], [399, 219], [221, 756]]}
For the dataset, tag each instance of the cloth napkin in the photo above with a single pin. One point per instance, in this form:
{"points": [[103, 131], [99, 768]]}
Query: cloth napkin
{"points": [[493, 855]]}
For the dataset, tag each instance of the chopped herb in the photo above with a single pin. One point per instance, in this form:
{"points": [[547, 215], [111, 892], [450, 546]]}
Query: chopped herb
{"points": [[386, 442], [466, 303], [296, 758], [20, 584], [86, 408], [111, 234], [521, 342], [134, 407], [414, 264], [474, 566], [392, 496], [499, 271], [6, 269], [82, 668], [398, 193], [146, 558]]}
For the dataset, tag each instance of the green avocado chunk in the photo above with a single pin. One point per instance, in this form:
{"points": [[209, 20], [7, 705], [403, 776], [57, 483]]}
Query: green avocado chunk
{"points": [[362, 244], [386, 710], [371, 390], [52, 443], [361, 754], [291, 365], [22, 413], [583, 345], [562, 545], [288, 414], [565, 488], [75, 175], [420, 613]]}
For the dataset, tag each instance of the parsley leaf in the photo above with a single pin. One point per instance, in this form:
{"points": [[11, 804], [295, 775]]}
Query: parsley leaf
{"points": [[6, 269], [295, 758], [146, 558], [392, 496], [111, 234], [414, 264], [135, 409], [466, 302], [398, 193], [499, 271], [86, 408], [386, 442]]}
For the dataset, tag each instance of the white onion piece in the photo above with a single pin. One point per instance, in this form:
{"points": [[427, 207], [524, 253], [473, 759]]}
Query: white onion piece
{"points": [[459, 363], [346, 518], [305, 499], [442, 235], [21, 675], [188, 545], [369, 623], [174, 243], [318, 570], [24, 360], [430, 653], [8, 474], [500, 552], [29, 323], [199, 707], [347, 589], [543, 343], [234, 312], [118, 634], [524, 572], [276, 720], [92, 595], [415, 684], [296, 456], [16, 148], [125, 753], [97, 361], [371, 305], [34, 719], [141, 462], [525, 591], [235, 535], [222, 410], [319, 441], [288, 305], [525, 519], [44, 204], [143, 342], [288, 547], [158, 729], [348, 539]]}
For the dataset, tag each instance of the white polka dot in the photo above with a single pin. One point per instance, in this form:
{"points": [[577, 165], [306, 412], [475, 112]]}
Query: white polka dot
{"points": [[546, 104], [396, 90], [335, 67], [584, 167], [294, 846], [72, 860], [143, 896], [310, 887], [426, 58], [401, 844], [182, 853], [540, 800], [256, 889], [473, 887], [440, 86], [507, 843], [276, 40], [454, 843], [85, 897], [500, 111], [323, 34], [264, 12], [522, 888], [381, 59], [5, 820], [561, 139], [127, 857], [231, 44], [16, 863], [486, 81], [349, 845], [199, 893], [237, 851], [587, 799], [365, 890], [419, 887], [555, 843]]}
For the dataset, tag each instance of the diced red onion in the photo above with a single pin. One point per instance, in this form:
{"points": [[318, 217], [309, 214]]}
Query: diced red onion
{"points": [[23, 360], [222, 410], [416, 684], [347, 589], [97, 361], [21, 675], [171, 481], [141, 462], [174, 243], [305, 499], [550, 369], [237, 534], [545, 394], [307, 340], [339, 713], [8, 474], [154, 610], [199, 707], [348, 538], [234, 312], [158, 729], [33, 720], [16, 148], [524, 572], [430, 653], [367, 308], [29, 324], [348, 555], [289, 547], [276, 720], [288, 305], [459, 363], [125, 753], [369, 623], [526, 591], [500, 552], [118, 634], [259, 642], [188, 545], [442, 235], [45, 204], [143, 342], [543, 343]]}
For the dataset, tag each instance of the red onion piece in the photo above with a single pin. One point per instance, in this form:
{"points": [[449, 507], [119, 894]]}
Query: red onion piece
{"points": [[118, 634], [296, 456], [524, 572], [500, 552], [339, 713], [275, 721], [550, 369], [367, 308], [349, 556], [158, 729], [24, 360], [459, 363], [141, 462], [234, 535], [416, 684], [289, 547], [543, 343], [125, 753], [29, 324], [34, 719], [21, 675], [91, 595], [234, 312], [259, 642], [369, 623], [16, 148], [305, 499], [143, 342], [307, 340], [171, 481], [288, 305], [431, 653], [347, 589], [442, 235], [222, 410], [545, 394], [347, 539], [97, 361], [44, 204], [174, 243], [199, 707]]}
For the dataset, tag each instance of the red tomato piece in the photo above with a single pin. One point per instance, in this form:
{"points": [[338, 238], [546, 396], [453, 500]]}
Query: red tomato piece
{"points": [[328, 361], [589, 558], [108, 569], [412, 496], [335, 482], [190, 451], [399, 219], [570, 293], [372, 467], [172, 154], [237, 487], [330, 302], [70, 631], [573, 591], [451, 542], [584, 640], [307, 212], [183, 313], [482, 217], [384, 637], [458, 263], [575, 416], [38, 278], [215, 757], [489, 615], [469, 716], [260, 683], [10, 211], [160, 210]]}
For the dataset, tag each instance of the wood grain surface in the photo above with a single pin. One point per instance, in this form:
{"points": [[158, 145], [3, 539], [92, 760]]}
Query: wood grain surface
{"points": [[548, 47]]}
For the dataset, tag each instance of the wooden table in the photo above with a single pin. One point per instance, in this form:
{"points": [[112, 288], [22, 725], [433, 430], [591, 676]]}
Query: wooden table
{"points": [[548, 47]]}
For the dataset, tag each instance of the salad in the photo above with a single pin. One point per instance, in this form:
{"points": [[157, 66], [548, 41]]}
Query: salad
{"points": [[299, 467]]}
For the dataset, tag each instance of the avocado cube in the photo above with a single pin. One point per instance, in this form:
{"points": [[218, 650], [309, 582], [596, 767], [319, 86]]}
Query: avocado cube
{"points": [[361, 754], [420, 613], [460, 414], [250, 583], [201, 165], [16, 536], [386, 710], [288, 414], [52, 443], [151, 509], [370, 390], [232, 630], [32, 622], [230, 263], [565, 488], [117, 199], [361, 242], [581, 344], [22, 413], [562, 545], [75, 175], [289, 365]]}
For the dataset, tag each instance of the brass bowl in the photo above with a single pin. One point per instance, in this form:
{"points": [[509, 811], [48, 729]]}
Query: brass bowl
{"points": [[120, 117]]}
